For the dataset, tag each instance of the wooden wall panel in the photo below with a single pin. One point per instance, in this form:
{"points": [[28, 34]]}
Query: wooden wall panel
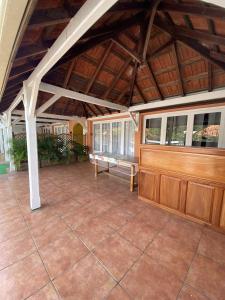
{"points": [[170, 191], [148, 184], [222, 215], [174, 159], [199, 202]]}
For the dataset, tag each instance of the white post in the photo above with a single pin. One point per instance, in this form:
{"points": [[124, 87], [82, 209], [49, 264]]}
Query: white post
{"points": [[30, 99], [8, 139], [1, 141]]}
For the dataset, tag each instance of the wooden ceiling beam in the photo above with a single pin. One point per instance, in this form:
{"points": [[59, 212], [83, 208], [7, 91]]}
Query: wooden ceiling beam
{"points": [[178, 68], [117, 78], [28, 51], [133, 79], [154, 80], [192, 9], [98, 69], [130, 52], [190, 42], [199, 35], [153, 8], [140, 92], [158, 51], [91, 109], [217, 55], [61, 15]]}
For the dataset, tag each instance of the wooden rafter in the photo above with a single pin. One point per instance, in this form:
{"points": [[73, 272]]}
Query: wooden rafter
{"points": [[158, 51], [117, 78], [65, 85], [130, 52], [153, 7], [154, 80], [91, 109], [193, 9], [98, 69], [133, 79], [140, 92], [190, 42], [178, 68]]}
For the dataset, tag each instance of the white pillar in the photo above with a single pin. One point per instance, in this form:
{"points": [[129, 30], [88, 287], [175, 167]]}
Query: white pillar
{"points": [[7, 130], [1, 141], [30, 99]]}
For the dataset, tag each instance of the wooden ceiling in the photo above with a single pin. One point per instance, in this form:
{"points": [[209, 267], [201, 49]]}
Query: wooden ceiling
{"points": [[139, 51]]}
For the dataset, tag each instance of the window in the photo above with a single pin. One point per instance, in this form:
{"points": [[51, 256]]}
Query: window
{"points": [[129, 138], [176, 131], [105, 137], [206, 130], [97, 137], [153, 131], [197, 127], [116, 137]]}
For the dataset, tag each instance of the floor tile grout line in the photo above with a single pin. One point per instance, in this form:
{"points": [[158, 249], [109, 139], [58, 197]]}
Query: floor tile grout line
{"points": [[195, 254], [39, 257]]}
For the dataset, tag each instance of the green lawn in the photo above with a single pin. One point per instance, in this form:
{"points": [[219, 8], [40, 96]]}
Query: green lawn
{"points": [[3, 168]]}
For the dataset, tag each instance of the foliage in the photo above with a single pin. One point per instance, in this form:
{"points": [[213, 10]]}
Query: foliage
{"points": [[80, 150], [19, 151], [51, 148]]}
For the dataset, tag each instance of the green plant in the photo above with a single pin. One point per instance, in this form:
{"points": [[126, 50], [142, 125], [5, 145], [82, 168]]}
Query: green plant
{"points": [[80, 151], [49, 148], [18, 150]]}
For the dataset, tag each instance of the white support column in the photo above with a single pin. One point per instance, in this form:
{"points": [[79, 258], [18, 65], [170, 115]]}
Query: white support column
{"points": [[1, 141], [8, 139], [30, 99]]}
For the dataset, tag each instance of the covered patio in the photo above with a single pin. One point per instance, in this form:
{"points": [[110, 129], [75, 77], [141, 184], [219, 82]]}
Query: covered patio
{"points": [[100, 242], [136, 89]]}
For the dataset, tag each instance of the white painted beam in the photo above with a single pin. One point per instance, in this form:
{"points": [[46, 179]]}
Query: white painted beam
{"points": [[38, 120], [47, 104], [189, 99], [52, 116], [45, 87], [89, 13], [216, 2]]}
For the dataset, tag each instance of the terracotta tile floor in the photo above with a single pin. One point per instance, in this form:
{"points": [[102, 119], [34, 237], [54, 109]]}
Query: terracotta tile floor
{"points": [[93, 239]]}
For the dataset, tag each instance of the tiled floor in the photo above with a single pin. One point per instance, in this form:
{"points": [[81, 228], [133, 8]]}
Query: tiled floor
{"points": [[93, 239]]}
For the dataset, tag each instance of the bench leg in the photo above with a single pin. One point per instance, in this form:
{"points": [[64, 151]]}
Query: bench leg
{"points": [[132, 178]]}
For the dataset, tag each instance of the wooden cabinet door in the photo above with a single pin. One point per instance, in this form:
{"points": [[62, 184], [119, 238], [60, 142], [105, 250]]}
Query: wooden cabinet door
{"points": [[148, 185], [199, 202], [170, 191]]}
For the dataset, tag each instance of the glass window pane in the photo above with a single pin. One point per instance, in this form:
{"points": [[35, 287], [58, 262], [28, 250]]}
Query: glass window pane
{"points": [[153, 131], [206, 130], [97, 137], [128, 138], [176, 130], [105, 137], [116, 137]]}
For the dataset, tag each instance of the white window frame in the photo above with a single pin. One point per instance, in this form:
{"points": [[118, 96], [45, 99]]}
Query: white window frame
{"points": [[64, 129], [120, 120], [190, 113]]}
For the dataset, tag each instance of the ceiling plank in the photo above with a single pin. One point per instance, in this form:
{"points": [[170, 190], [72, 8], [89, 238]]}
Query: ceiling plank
{"points": [[154, 80], [178, 68], [98, 69], [140, 92], [117, 78]]}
